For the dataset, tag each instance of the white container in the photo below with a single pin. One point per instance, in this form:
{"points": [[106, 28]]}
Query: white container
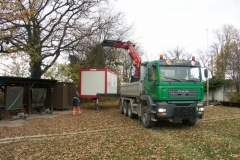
{"points": [[96, 80]]}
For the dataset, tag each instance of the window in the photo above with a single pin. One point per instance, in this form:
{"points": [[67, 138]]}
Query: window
{"points": [[179, 73]]}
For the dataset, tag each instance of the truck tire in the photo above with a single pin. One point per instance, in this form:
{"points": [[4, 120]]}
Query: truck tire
{"points": [[120, 106], [146, 118], [125, 108], [130, 114]]}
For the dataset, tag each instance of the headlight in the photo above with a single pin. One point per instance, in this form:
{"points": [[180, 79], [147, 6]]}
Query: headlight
{"points": [[161, 110], [201, 109]]}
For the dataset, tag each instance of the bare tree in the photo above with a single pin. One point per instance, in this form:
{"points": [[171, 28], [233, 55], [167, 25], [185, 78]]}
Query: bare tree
{"points": [[227, 57], [90, 53], [223, 49], [112, 26], [177, 53], [44, 29]]}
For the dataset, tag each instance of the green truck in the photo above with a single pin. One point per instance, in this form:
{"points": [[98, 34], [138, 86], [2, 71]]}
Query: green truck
{"points": [[163, 89]]}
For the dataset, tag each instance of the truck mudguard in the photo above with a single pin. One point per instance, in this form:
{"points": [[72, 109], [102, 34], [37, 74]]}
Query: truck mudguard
{"points": [[149, 101]]}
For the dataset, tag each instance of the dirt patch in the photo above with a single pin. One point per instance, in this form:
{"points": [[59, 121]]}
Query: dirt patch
{"points": [[16, 121]]}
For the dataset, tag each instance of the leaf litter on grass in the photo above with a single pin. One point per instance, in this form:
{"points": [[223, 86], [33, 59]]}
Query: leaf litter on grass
{"points": [[111, 135]]}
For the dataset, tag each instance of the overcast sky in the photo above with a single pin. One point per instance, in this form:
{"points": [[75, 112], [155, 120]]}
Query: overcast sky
{"points": [[161, 25]]}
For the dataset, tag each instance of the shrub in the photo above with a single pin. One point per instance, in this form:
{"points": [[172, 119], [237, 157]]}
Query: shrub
{"points": [[233, 97]]}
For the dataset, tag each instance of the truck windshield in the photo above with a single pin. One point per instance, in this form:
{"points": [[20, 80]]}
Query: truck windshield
{"points": [[180, 73]]}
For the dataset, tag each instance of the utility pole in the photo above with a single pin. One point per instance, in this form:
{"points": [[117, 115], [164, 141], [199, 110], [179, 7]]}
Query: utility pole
{"points": [[208, 76], [223, 73]]}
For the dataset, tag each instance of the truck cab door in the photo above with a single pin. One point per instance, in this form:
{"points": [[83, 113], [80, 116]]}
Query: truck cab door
{"points": [[151, 80]]}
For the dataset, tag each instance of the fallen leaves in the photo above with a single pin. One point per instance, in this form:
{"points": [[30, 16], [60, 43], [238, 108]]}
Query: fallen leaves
{"points": [[111, 135]]}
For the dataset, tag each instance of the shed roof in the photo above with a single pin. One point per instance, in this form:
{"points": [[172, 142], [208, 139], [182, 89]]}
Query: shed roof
{"points": [[19, 81]]}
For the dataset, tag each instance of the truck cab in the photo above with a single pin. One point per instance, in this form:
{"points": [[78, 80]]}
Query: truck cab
{"points": [[175, 89]]}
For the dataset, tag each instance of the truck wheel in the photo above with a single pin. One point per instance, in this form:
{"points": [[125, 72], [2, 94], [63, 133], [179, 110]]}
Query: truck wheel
{"points": [[130, 114], [188, 123], [125, 108], [146, 118], [120, 106]]}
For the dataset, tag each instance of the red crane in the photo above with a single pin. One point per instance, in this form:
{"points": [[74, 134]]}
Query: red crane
{"points": [[132, 52]]}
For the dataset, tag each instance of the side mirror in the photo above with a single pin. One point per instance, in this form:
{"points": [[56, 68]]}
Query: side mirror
{"points": [[206, 73], [150, 73]]}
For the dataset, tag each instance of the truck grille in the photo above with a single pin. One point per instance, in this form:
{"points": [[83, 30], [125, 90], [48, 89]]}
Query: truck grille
{"points": [[182, 93]]}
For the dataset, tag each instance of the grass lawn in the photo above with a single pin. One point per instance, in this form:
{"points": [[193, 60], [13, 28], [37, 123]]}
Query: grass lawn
{"points": [[110, 135]]}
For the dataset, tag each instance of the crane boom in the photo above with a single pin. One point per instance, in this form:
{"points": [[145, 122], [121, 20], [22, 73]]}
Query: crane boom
{"points": [[132, 52]]}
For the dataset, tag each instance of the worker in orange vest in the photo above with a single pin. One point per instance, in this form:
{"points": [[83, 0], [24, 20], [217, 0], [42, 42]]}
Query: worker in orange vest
{"points": [[76, 103]]}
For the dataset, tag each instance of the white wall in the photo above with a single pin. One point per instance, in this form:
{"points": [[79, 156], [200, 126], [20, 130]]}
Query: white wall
{"points": [[217, 95], [93, 82], [111, 83]]}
